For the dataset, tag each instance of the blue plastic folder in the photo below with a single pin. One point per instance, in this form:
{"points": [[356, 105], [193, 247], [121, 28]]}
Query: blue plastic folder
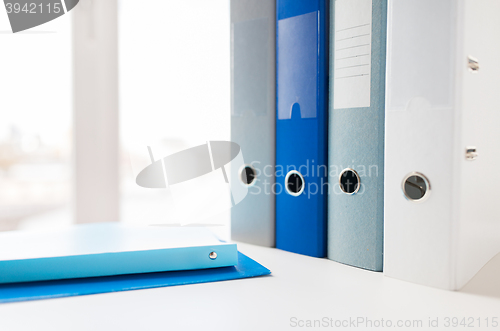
{"points": [[245, 268], [107, 249], [301, 126]]}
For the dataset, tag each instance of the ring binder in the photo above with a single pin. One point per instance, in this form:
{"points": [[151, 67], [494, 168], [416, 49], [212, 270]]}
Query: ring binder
{"points": [[356, 132], [301, 125], [436, 121], [253, 122]]}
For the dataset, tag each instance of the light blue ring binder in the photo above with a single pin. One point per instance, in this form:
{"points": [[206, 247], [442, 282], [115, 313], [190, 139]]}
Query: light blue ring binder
{"points": [[356, 140]]}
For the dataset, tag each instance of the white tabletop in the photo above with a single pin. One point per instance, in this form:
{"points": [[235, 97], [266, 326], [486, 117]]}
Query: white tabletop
{"points": [[300, 288]]}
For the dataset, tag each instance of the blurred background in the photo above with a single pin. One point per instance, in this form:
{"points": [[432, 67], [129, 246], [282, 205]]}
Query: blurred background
{"points": [[84, 94]]}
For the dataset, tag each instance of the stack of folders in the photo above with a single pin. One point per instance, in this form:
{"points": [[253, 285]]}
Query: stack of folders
{"points": [[385, 134]]}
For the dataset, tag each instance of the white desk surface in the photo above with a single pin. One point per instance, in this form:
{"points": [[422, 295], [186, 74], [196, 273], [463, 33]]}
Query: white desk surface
{"points": [[300, 287]]}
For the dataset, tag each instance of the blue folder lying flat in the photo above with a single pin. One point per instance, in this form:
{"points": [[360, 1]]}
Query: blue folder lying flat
{"points": [[109, 249], [13, 292]]}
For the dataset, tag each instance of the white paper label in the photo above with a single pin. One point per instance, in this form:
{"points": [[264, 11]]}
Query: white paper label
{"points": [[352, 57]]}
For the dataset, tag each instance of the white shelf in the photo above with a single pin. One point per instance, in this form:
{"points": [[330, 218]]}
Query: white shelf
{"points": [[300, 286]]}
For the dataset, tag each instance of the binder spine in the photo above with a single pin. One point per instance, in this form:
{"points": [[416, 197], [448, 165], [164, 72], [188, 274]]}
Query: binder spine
{"points": [[356, 132], [301, 126], [253, 123], [442, 141], [420, 167]]}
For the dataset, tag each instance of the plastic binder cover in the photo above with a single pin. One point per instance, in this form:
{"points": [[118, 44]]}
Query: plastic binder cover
{"points": [[105, 249], [301, 127], [442, 134]]}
